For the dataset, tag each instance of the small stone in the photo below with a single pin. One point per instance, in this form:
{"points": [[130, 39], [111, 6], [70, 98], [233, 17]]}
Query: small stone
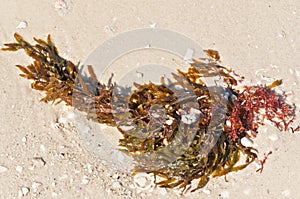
{"points": [[24, 139], [116, 185], [19, 169], [42, 148], [3, 169], [22, 25]]}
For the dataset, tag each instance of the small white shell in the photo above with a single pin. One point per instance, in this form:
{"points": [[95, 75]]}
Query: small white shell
{"points": [[189, 118], [126, 128], [169, 122], [22, 25], [246, 142], [143, 181]]}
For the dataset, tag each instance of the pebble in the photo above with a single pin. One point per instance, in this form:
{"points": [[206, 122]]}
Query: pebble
{"points": [[42, 148], [22, 25], [19, 169], [3, 169], [24, 139]]}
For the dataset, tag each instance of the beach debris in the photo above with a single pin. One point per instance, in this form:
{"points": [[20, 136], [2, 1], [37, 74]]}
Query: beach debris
{"points": [[168, 128]]}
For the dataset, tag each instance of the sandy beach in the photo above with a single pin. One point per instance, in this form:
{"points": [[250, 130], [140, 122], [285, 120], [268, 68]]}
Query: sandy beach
{"points": [[43, 154]]}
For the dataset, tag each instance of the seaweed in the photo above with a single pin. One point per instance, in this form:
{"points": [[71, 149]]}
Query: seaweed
{"points": [[151, 117]]}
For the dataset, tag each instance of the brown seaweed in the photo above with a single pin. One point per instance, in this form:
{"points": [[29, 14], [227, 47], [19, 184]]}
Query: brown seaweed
{"points": [[154, 113]]}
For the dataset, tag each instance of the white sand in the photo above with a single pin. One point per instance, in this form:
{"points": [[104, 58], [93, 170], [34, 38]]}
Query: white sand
{"points": [[44, 161]]}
